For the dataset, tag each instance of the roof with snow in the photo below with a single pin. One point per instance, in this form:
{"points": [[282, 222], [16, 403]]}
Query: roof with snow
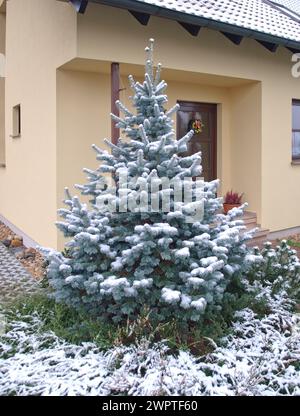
{"points": [[269, 21], [293, 5], [250, 14]]}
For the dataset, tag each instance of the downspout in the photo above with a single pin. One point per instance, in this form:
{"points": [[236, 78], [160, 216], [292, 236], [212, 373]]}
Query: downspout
{"points": [[115, 96]]}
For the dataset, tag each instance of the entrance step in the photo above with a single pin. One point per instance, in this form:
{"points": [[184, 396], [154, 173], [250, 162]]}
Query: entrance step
{"points": [[250, 221], [250, 218], [257, 241], [261, 235]]}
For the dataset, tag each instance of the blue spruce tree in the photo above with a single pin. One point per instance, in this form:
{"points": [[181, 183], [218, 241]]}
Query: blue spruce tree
{"points": [[140, 243]]}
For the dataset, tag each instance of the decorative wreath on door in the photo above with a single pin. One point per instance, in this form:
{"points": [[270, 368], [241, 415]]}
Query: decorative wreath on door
{"points": [[196, 125]]}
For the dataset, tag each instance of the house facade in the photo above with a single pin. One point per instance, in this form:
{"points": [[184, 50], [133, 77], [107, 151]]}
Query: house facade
{"points": [[231, 66]]}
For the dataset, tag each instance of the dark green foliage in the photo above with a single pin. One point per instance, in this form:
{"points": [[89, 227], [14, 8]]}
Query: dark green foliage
{"points": [[67, 323], [77, 326], [293, 243], [278, 266]]}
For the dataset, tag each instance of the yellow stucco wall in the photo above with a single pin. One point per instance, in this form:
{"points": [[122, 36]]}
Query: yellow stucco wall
{"points": [[83, 102], [65, 111], [2, 89], [280, 179], [245, 144], [40, 36]]}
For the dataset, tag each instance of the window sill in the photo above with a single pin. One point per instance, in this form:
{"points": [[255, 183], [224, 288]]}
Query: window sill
{"points": [[295, 162]]}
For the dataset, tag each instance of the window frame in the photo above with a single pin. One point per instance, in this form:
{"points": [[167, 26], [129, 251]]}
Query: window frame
{"points": [[295, 103], [16, 121]]}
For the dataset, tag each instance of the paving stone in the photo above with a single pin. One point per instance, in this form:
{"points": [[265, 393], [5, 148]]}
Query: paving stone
{"points": [[15, 281]]}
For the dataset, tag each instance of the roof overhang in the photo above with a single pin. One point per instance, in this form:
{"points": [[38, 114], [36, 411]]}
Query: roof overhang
{"points": [[143, 11]]}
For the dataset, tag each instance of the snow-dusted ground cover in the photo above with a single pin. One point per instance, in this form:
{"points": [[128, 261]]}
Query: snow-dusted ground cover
{"points": [[261, 357]]}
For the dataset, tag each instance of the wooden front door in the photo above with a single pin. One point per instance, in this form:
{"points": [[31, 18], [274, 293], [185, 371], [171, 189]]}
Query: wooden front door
{"points": [[203, 119]]}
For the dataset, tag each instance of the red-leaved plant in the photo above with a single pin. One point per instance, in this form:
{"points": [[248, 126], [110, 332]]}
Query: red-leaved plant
{"points": [[233, 198]]}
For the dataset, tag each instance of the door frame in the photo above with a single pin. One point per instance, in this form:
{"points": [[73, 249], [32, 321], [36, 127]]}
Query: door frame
{"points": [[189, 105]]}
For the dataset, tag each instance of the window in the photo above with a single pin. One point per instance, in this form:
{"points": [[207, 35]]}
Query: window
{"points": [[296, 131], [16, 121]]}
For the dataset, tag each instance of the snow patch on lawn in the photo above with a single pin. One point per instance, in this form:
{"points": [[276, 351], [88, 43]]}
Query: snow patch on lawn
{"points": [[261, 357]]}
